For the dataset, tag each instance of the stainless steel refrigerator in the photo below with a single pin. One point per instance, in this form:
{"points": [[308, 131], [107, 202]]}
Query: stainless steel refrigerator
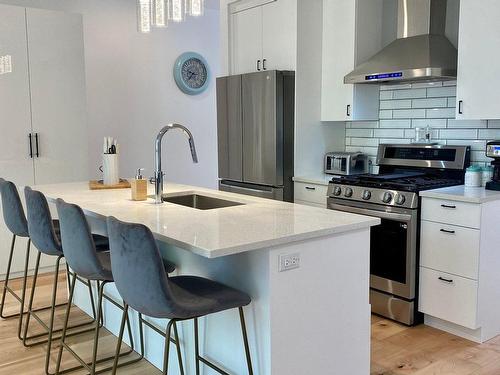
{"points": [[255, 126]]}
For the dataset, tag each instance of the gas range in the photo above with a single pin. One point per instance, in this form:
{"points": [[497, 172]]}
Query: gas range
{"points": [[391, 189], [393, 196]]}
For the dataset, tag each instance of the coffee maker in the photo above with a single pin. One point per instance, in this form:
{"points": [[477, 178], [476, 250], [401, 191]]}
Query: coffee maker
{"points": [[493, 151]]}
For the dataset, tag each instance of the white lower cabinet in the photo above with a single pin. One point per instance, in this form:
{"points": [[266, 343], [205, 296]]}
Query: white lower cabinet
{"points": [[449, 297], [310, 194], [460, 267]]}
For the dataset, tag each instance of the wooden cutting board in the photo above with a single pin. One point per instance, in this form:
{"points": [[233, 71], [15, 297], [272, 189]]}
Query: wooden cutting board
{"points": [[98, 185]]}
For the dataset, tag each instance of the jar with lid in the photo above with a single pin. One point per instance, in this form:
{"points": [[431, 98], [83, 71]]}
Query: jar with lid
{"points": [[473, 176]]}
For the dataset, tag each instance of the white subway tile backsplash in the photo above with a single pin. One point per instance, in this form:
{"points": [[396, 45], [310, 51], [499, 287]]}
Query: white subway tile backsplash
{"points": [[431, 122], [408, 106], [471, 124], [364, 133], [479, 156], [395, 104], [395, 87], [441, 91], [388, 133], [394, 140], [372, 142], [385, 114], [426, 84], [409, 94], [458, 133], [440, 112], [477, 145], [409, 113], [493, 123], [385, 95], [395, 123], [490, 134], [364, 124], [430, 103]]}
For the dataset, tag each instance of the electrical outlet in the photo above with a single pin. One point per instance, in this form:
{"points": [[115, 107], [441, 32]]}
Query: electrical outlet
{"points": [[289, 262]]}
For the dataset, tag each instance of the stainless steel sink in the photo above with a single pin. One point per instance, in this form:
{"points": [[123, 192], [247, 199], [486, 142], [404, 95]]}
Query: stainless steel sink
{"points": [[200, 202]]}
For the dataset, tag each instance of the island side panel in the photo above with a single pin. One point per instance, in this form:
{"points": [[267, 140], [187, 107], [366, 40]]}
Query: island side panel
{"points": [[320, 312]]}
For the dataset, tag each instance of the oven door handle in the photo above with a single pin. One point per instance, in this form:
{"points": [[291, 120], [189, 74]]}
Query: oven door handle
{"points": [[368, 212]]}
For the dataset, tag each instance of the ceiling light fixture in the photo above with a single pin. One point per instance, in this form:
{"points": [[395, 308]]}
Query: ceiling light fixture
{"points": [[157, 13]]}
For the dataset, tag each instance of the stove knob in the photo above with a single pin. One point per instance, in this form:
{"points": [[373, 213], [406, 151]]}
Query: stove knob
{"points": [[337, 190], [348, 192], [400, 199], [387, 197], [367, 195]]}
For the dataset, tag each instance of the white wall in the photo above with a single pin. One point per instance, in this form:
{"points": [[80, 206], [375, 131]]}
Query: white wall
{"points": [[131, 91], [312, 137]]}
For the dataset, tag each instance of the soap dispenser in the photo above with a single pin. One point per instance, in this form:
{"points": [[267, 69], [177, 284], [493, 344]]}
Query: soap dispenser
{"points": [[139, 187]]}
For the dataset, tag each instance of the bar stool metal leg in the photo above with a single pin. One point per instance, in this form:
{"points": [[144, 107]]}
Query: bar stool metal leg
{"points": [[245, 340], [91, 366]]}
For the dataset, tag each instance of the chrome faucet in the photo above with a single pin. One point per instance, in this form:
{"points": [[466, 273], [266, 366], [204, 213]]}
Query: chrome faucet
{"points": [[158, 178]]}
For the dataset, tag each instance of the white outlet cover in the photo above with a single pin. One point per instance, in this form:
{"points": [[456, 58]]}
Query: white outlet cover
{"points": [[289, 262]]}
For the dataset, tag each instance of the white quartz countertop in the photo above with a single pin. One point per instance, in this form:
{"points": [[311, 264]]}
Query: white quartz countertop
{"points": [[258, 223], [463, 194]]}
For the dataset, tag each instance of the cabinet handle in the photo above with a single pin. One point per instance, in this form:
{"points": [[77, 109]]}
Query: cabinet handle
{"points": [[449, 281], [348, 111], [264, 64], [310, 188], [36, 145], [448, 206], [447, 231], [31, 146], [460, 107], [258, 65]]}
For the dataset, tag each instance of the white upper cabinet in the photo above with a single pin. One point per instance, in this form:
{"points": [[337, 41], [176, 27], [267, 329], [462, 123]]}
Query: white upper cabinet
{"points": [[279, 43], [478, 81], [261, 35], [352, 33], [246, 40]]}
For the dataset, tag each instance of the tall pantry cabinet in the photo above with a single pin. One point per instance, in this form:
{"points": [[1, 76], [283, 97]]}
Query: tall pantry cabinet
{"points": [[43, 120]]}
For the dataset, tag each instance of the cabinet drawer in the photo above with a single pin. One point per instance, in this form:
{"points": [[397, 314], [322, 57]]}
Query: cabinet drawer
{"points": [[312, 193], [450, 212], [448, 297], [450, 249]]}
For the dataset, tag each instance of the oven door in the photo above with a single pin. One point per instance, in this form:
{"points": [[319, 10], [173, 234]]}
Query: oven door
{"points": [[393, 246]]}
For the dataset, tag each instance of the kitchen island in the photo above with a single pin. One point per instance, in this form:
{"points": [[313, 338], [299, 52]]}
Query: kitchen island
{"points": [[312, 319]]}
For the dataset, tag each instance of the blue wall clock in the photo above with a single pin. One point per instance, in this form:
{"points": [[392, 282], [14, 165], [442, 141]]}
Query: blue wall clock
{"points": [[191, 73]]}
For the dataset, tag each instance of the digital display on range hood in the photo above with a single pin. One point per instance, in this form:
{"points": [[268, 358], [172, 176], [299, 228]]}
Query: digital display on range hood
{"points": [[373, 77]]}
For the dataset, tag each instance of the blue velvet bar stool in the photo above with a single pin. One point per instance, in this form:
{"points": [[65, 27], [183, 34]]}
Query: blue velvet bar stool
{"points": [[44, 236], [145, 286], [16, 223], [84, 260]]}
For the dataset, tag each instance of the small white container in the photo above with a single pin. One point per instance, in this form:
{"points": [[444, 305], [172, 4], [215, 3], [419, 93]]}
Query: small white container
{"points": [[473, 176], [110, 170], [487, 174]]}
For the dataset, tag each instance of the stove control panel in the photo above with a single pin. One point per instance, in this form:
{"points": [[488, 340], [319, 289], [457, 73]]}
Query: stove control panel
{"points": [[402, 199]]}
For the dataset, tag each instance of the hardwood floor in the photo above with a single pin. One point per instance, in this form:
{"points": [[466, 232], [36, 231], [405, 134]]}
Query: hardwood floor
{"points": [[423, 350], [15, 359], [396, 349]]}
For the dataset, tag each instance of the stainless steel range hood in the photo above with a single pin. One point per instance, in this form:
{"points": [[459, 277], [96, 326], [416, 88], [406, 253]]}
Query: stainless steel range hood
{"points": [[421, 53]]}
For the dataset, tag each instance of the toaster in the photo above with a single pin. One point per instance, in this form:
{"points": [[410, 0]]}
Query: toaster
{"points": [[346, 163]]}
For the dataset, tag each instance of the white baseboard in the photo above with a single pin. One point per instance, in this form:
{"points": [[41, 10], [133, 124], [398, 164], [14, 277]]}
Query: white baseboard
{"points": [[42, 270], [454, 329]]}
